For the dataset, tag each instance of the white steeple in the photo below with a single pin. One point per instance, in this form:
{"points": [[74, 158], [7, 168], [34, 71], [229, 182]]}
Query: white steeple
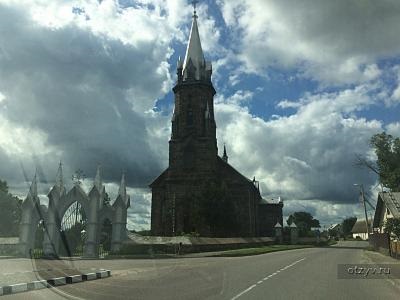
{"points": [[194, 58], [194, 50]]}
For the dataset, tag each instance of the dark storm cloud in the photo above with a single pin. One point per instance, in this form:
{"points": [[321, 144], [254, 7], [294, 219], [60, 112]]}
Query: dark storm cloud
{"points": [[72, 85]]}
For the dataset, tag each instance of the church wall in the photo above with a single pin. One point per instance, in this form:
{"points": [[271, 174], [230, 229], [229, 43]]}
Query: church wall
{"points": [[156, 211], [268, 216]]}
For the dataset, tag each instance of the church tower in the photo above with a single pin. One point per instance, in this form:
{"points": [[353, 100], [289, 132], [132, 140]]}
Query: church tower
{"points": [[201, 192], [193, 144]]}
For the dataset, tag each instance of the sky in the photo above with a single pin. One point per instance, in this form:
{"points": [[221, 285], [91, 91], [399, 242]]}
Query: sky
{"points": [[301, 88]]}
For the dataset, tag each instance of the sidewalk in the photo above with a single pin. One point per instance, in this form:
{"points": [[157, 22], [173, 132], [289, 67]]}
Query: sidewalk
{"points": [[20, 275], [379, 258]]}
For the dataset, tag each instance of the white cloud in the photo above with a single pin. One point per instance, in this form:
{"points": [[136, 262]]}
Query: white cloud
{"points": [[332, 42], [308, 155], [326, 213], [393, 129], [240, 97]]}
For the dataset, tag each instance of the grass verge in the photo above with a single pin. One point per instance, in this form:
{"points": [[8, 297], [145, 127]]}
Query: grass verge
{"points": [[260, 250]]}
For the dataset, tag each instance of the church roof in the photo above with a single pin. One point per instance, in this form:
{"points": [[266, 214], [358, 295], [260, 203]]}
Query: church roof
{"points": [[220, 164], [231, 169], [159, 179]]}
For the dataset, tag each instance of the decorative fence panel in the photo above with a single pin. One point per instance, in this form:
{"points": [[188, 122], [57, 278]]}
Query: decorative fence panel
{"points": [[379, 241], [395, 249]]}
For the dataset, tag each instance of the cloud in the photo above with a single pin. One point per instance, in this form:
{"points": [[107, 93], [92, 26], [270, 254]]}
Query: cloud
{"points": [[393, 129], [326, 213], [332, 42], [309, 155], [71, 93]]}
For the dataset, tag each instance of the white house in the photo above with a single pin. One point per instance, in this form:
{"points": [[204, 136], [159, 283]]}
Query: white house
{"points": [[360, 229], [388, 206]]}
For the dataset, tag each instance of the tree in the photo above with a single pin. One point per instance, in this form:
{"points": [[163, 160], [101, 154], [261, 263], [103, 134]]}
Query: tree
{"points": [[392, 226], [10, 212], [106, 200], [387, 166], [3, 186], [335, 232], [347, 225], [304, 221]]}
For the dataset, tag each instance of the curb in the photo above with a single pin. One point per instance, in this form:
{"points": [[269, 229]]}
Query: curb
{"points": [[52, 282]]}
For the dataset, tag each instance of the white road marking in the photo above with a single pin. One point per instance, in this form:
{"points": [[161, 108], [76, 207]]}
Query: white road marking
{"points": [[266, 278], [245, 291]]}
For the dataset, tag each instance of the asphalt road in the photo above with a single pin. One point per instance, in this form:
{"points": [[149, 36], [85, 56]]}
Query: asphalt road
{"points": [[296, 274]]}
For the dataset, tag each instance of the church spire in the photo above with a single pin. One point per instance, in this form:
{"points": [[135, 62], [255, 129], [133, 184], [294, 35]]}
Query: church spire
{"points": [[225, 156], [194, 50], [194, 65], [194, 3]]}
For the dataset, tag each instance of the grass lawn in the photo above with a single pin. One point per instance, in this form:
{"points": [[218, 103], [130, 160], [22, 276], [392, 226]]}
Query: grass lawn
{"points": [[260, 250]]}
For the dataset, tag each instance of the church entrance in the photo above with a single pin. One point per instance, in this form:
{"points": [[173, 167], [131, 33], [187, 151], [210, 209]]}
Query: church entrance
{"points": [[73, 231]]}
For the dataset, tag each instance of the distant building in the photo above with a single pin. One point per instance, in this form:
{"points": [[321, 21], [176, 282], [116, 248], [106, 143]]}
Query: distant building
{"points": [[200, 191], [335, 230], [360, 229], [387, 206]]}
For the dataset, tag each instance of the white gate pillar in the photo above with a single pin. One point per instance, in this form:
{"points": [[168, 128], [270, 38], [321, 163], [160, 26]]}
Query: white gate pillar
{"points": [[29, 220], [120, 206]]}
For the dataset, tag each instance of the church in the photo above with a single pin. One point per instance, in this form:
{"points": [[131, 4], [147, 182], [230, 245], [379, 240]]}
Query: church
{"points": [[200, 193]]}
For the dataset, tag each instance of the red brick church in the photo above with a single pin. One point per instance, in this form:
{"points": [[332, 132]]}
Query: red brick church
{"points": [[200, 192]]}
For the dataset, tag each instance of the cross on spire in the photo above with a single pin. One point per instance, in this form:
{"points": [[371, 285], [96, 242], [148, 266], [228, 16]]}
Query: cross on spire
{"points": [[194, 3]]}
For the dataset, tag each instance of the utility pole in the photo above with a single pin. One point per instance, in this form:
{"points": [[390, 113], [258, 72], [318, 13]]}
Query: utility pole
{"points": [[365, 208]]}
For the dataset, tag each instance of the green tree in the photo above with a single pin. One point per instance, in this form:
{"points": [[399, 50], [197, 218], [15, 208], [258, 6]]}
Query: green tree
{"points": [[106, 200], [392, 226], [10, 212], [387, 149], [3, 186], [304, 221], [387, 165], [347, 225]]}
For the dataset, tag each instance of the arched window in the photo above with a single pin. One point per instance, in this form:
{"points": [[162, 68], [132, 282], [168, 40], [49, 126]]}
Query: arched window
{"points": [[188, 157], [189, 118]]}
